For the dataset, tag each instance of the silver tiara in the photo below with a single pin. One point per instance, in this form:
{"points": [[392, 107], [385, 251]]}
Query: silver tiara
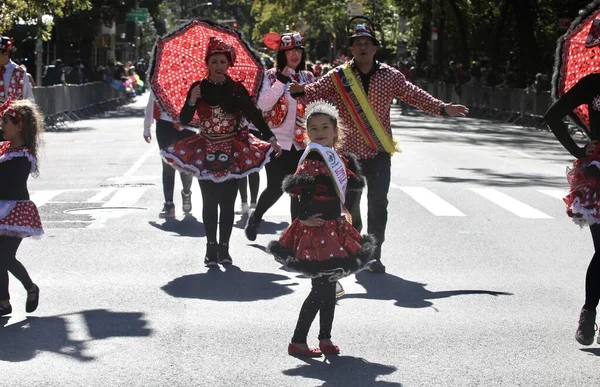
{"points": [[322, 107]]}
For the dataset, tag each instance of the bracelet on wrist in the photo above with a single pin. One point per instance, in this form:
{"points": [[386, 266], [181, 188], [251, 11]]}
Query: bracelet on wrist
{"points": [[190, 103]]}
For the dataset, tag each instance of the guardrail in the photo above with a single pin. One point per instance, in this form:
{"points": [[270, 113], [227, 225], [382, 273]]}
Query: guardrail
{"points": [[517, 106], [63, 103]]}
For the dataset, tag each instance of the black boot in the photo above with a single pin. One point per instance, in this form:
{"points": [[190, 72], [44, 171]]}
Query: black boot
{"points": [[586, 329], [224, 257], [212, 254]]}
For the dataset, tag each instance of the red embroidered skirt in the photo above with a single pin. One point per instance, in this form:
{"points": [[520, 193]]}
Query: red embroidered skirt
{"points": [[334, 249], [219, 160], [20, 218], [583, 199]]}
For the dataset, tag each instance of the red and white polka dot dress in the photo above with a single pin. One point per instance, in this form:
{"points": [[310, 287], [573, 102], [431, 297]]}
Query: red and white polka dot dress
{"points": [[18, 218]]}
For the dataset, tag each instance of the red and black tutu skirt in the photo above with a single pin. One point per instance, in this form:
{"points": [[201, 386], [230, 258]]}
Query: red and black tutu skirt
{"points": [[334, 249], [583, 199], [20, 218], [219, 157]]}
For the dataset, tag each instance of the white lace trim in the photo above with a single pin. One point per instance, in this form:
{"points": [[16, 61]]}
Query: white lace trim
{"points": [[11, 154], [20, 231], [584, 216], [176, 163], [6, 206]]}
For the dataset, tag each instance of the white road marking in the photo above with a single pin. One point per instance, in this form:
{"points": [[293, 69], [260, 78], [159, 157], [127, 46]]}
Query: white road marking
{"points": [[42, 197], [125, 197], [510, 204], [432, 202], [134, 168], [555, 193], [100, 196]]}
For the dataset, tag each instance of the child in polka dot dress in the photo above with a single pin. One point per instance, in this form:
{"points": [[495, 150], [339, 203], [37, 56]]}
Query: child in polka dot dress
{"points": [[321, 243], [21, 125]]}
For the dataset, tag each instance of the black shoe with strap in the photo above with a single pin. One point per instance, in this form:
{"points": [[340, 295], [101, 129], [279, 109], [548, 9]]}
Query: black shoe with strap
{"points": [[212, 254], [251, 227], [377, 267], [5, 310], [224, 257], [586, 330], [32, 304]]}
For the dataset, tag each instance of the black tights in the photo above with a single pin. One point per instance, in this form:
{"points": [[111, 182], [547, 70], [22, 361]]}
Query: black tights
{"points": [[592, 278], [254, 179], [215, 196], [277, 169], [8, 262], [321, 299], [167, 135]]}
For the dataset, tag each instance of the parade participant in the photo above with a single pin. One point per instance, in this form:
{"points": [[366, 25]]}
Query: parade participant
{"points": [[223, 151], [21, 125], [321, 243], [253, 180], [15, 83], [582, 201], [363, 89], [168, 133], [285, 117]]}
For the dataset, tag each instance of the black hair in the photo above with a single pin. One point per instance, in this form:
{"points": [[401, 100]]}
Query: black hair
{"points": [[282, 61]]}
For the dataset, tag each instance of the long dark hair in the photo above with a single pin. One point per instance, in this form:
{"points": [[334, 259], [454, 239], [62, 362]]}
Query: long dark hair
{"points": [[282, 61]]}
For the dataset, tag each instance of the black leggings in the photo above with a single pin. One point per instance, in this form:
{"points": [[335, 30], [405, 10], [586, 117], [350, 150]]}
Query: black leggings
{"points": [[277, 169], [8, 262], [167, 135], [321, 299], [592, 278], [215, 196], [254, 179]]}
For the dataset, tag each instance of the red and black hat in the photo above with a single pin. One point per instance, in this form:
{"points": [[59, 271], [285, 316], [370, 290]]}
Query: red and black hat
{"points": [[284, 42], [218, 46], [6, 43], [363, 30]]}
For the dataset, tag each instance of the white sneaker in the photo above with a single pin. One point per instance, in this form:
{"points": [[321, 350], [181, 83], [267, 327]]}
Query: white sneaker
{"points": [[252, 206]]}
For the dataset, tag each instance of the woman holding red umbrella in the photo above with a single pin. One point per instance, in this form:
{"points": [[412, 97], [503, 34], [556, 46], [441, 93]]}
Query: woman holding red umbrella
{"points": [[286, 118], [576, 89], [223, 151]]}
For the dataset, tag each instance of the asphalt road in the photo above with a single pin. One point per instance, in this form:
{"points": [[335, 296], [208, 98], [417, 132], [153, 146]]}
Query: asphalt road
{"points": [[484, 286]]}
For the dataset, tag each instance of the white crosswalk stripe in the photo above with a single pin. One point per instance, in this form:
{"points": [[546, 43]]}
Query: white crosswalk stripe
{"points": [[432, 202], [510, 204], [555, 193], [42, 197]]}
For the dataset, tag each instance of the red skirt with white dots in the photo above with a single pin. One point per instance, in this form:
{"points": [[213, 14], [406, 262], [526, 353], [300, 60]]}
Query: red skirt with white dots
{"points": [[335, 249], [20, 219]]}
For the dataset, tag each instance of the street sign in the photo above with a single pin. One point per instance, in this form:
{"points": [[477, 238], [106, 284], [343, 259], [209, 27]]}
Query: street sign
{"points": [[137, 15], [354, 9], [434, 33]]}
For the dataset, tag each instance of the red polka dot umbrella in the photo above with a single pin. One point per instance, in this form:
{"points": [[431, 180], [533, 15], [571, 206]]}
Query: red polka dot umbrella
{"points": [[578, 55], [178, 61]]}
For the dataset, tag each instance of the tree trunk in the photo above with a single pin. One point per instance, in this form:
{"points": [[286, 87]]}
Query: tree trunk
{"points": [[496, 41], [528, 47], [463, 33]]}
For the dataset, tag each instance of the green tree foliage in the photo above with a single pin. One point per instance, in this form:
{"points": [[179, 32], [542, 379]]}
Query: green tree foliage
{"points": [[28, 11]]}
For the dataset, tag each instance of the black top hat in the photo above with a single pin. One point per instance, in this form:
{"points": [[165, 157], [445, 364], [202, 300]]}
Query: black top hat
{"points": [[6, 43], [362, 29]]}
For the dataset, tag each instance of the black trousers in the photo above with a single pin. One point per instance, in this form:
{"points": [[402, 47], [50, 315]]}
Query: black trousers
{"points": [[592, 278], [377, 171], [215, 197], [9, 263], [277, 170], [321, 299], [254, 179], [167, 135]]}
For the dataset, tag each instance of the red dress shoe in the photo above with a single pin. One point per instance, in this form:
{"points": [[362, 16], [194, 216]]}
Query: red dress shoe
{"points": [[311, 352], [329, 349]]}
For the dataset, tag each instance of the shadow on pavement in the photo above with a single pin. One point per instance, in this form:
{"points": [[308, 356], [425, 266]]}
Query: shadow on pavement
{"points": [[265, 226], [189, 226], [25, 339], [407, 294], [233, 284], [490, 177], [592, 351], [344, 371]]}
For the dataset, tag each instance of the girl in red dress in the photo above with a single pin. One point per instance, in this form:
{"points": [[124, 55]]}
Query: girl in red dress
{"points": [[223, 152], [19, 218], [321, 243]]}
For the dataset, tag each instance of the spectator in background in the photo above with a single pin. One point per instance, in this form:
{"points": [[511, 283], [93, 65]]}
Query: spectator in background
{"points": [[12, 75], [31, 81], [54, 74], [141, 69]]}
